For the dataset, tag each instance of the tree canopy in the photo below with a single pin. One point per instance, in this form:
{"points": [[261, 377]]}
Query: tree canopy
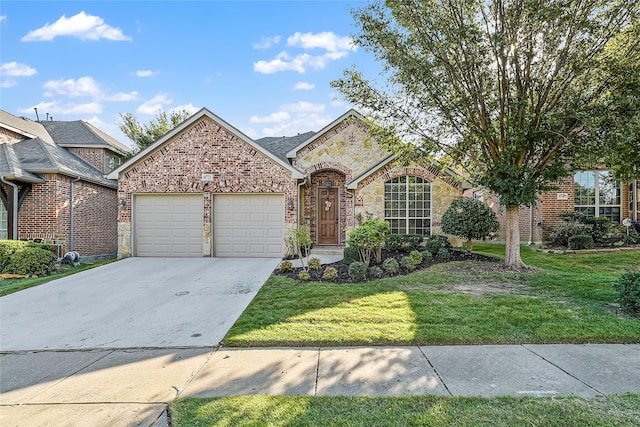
{"points": [[500, 88], [143, 135]]}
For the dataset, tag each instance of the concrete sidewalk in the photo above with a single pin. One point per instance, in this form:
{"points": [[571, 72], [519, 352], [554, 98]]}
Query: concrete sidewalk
{"points": [[132, 387]]}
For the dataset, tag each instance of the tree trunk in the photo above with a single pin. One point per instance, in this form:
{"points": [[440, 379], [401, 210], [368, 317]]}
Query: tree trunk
{"points": [[512, 250], [469, 246]]}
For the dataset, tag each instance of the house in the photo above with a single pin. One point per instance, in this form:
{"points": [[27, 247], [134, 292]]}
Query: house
{"points": [[206, 189], [53, 185], [592, 192]]}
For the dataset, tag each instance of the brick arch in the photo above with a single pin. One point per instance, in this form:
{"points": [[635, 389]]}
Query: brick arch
{"points": [[390, 171], [326, 166]]}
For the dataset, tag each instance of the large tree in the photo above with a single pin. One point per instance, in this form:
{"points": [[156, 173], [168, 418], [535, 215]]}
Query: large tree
{"points": [[143, 135], [494, 87]]}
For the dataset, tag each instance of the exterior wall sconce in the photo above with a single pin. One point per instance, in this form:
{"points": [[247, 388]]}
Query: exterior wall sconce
{"points": [[290, 205], [123, 203], [328, 183]]}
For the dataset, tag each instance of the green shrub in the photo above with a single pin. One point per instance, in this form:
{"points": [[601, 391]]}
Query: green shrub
{"points": [[304, 275], [408, 263], [571, 216], [416, 257], [350, 255], [9, 247], [403, 242], [31, 261], [628, 288], [368, 239], [560, 235], [581, 241], [426, 255], [444, 240], [330, 273], [444, 253], [633, 237], [357, 271], [599, 227], [470, 219], [375, 272], [391, 265], [286, 266], [314, 263]]}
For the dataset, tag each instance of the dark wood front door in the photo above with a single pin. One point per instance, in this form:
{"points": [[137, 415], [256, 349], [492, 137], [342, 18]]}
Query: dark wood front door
{"points": [[328, 216]]}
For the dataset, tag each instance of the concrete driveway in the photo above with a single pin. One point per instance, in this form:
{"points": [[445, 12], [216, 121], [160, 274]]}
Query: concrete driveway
{"points": [[135, 302]]}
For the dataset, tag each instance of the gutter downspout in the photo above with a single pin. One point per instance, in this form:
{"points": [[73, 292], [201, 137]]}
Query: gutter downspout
{"points": [[71, 213], [15, 207], [304, 181], [530, 225], [634, 199]]}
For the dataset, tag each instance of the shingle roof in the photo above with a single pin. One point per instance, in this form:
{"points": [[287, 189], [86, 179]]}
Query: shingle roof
{"points": [[24, 126], [9, 166], [281, 145], [82, 134]]}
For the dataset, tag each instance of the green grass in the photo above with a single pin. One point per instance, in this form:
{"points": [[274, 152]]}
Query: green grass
{"points": [[9, 286], [567, 300], [405, 411]]}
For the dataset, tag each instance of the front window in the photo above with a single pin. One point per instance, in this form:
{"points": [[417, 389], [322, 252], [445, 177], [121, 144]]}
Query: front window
{"points": [[407, 205], [597, 194], [3, 222]]}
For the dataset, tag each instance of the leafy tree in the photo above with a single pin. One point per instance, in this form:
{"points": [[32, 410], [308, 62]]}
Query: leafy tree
{"points": [[143, 135], [300, 242], [493, 87], [369, 238], [469, 219]]}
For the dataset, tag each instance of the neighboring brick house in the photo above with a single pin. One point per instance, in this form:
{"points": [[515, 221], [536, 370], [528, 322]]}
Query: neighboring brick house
{"points": [[592, 192], [206, 189], [53, 174]]}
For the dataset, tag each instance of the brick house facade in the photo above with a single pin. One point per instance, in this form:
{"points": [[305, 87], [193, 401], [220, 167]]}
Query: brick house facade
{"points": [[247, 196], [63, 196]]}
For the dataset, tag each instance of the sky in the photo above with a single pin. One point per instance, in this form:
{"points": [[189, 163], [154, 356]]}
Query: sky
{"points": [[265, 67]]}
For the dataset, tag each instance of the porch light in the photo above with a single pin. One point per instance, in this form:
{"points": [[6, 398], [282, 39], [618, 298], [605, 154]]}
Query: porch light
{"points": [[328, 183], [290, 205]]}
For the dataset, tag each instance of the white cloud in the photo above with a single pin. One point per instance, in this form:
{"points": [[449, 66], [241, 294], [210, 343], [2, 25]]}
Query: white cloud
{"points": [[277, 117], [84, 86], [283, 62], [65, 109], [325, 40], [303, 107], [301, 123], [266, 42], [82, 26], [154, 105], [123, 97], [3, 18], [304, 86], [15, 69], [188, 107], [146, 73]]}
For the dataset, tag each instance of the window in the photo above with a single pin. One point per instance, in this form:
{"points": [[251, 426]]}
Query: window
{"points": [[597, 194], [3, 222], [407, 205]]}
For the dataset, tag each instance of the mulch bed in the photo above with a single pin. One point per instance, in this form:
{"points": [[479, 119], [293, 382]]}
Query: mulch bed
{"points": [[343, 269]]}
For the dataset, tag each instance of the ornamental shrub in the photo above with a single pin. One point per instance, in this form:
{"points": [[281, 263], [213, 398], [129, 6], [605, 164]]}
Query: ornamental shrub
{"points": [[444, 240], [581, 241], [391, 265], [408, 263], [9, 247], [628, 288], [314, 263], [375, 272], [599, 227], [416, 257], [349, 255], [426, 256], [31, 261], [443, 253], [560, 235], [286, 266], [330, 273], [304, 276], [357, 271], [470, 219], [368, 239], [403, 242]]}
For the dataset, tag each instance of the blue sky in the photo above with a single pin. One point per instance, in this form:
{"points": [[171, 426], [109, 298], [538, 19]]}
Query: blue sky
{"points": [[263, 66]]}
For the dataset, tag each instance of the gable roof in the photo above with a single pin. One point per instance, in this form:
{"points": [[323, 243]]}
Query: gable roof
{"points": [[24, 126], [10, 166], [80, 134], [204, 112], [291, 154]]}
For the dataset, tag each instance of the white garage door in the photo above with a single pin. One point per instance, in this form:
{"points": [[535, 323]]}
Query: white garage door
{"points": [[168, 225], [248, 225]]}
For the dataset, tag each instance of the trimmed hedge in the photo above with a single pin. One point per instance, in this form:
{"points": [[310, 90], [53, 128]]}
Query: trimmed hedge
{"points": [[28, 258], [581, 241]]}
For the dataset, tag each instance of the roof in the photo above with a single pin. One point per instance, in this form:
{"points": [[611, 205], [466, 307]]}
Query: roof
{"points": [[204, 112], [281, 145], [24, 126], [9, 166], [82, 134]]}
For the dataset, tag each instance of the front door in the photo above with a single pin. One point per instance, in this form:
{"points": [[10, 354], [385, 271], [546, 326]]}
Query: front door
{"points": [[328, 216]]}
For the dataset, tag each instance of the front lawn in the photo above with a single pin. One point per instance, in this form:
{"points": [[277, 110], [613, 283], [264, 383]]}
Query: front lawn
{"points": [[406, 411], [568, 299]]}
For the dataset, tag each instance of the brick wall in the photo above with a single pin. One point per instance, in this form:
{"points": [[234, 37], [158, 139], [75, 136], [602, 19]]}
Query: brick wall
{"points": [[94, 156], [8, 137]]}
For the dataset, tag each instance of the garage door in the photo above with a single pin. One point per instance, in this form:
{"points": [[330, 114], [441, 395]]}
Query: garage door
{"points": [[248, 225], [168, 225]]}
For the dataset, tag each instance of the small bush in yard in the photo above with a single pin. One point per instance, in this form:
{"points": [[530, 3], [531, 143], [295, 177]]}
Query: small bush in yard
{"points": [[432, 246], [599, 227], [314, 263], [10, 247], [443, 253], [560, 235], [304, 276], [426, 256], [444, 240], [350, 255], [330, 273], [416, 257], [357, 271], [375, 272], [286, 266], [470, 219], [408, 263], [628, 288], [391, 265], [31, 261], [403, 242], [581, 241]]}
